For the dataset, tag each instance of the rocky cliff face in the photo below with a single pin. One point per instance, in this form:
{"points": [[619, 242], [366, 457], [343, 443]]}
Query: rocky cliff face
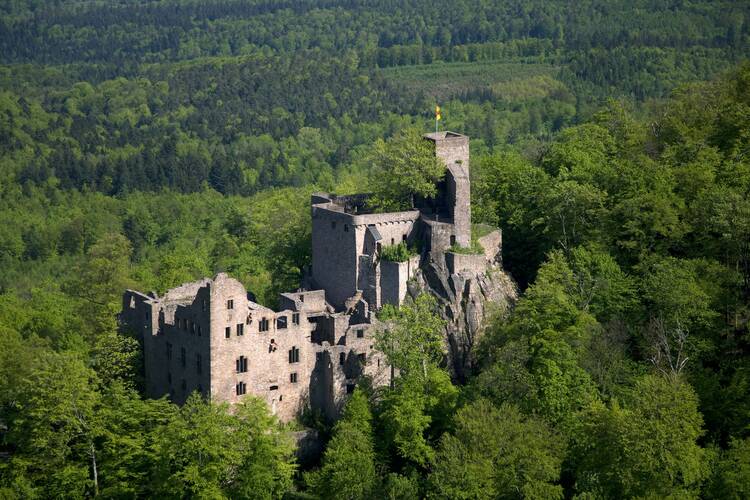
{"points": [[470, 289]]}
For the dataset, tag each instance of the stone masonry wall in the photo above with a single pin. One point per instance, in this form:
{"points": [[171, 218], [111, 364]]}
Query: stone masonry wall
{"points": [[269, 369], [334, 255], [454, 150], [394, 277], [177, 352]]}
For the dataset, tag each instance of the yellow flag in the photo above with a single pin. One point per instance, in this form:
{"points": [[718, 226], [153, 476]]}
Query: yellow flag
{"points": [[437, 113]]}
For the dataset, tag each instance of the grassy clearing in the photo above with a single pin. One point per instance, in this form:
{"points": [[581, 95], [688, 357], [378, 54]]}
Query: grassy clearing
{"points": [[442, 80]]}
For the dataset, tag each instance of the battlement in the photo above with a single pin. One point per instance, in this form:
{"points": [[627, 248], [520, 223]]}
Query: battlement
{"points": [[447, 136]]}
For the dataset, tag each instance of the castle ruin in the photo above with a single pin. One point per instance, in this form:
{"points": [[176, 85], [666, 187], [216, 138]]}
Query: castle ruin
{"points": [[209, 336]]}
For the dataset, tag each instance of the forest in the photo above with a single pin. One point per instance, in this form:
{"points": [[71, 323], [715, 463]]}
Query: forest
{"points": [[146, 143]]}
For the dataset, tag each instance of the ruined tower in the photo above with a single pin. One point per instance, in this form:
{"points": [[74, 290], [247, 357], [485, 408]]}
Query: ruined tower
{"points": [[453, 149]]}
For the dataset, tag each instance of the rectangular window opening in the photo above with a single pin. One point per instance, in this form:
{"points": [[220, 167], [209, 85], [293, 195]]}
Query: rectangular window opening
{"points": [[230, 304], [241, 364], [240, 329], [240, 388], [294, 355], [281, 322], [227, 332]]}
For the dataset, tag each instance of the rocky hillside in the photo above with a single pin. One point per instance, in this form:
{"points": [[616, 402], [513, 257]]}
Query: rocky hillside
{"points": [[469, 289]]}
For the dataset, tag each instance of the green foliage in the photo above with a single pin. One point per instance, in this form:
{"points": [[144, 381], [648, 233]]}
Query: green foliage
{"points": [[731, 476], [72, 439], [348, 469], [497, 453], [646, 448], [397, 253], [101, 280], [411, 337], [55, 430], [548, 330], [414, 414], [118, 357], [403, 167], [206, 451], [507, 191]]}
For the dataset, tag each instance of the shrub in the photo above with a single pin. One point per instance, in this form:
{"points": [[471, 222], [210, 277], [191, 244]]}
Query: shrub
{"points": [[397, 253]]}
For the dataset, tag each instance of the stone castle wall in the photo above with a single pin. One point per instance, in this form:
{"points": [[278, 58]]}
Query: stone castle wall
{"points": [[195, 342], [334, 263], [394, 277], [340, 239]]}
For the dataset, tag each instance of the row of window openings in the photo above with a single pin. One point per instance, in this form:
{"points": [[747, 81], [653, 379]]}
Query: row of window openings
{"points": [[230, 302], [183, 384], [191, 326], [183, 358], [241, 362], [263, 325], [240, 388]]}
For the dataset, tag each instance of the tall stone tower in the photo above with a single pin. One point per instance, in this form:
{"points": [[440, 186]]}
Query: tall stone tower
{"points": [[453, 149]]}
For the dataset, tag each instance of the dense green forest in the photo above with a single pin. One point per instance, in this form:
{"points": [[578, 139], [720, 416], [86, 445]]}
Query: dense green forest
{"points": [[148, 143]]}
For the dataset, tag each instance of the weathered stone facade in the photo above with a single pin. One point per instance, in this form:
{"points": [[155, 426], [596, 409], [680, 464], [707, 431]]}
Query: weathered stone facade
{"points": [[347, 239], [209, 336]]}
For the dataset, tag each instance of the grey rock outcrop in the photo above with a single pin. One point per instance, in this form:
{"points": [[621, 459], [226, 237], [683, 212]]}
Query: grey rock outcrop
{"points": [[470, 289]]}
